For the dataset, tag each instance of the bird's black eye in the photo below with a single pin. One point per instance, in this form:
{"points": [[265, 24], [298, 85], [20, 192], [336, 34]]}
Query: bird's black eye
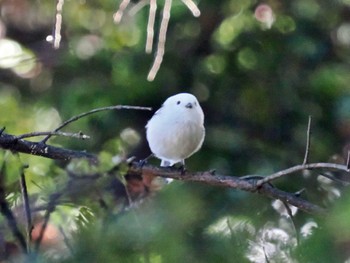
{"points": [[178, 102]]}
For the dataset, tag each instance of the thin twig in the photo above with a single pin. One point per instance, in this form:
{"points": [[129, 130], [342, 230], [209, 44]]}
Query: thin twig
{"points": [[192, 7], [161, 41], [301, 167], [66, 240], [298, 193], [7, 213], [50, 208], [150, 25], [78, 135], [137, 7], [308, 134], [190, 4], [77, 117], [55, 38], [333, 178], [265, 254], [119, 14], [27, 211], [289, 212]]}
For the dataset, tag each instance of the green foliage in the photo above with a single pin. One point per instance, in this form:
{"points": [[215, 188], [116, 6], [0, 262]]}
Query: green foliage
{"points": [[257, 83]]}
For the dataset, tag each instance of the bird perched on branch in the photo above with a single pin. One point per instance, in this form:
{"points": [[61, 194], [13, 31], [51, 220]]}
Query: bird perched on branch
{"points": [[176, 130]]}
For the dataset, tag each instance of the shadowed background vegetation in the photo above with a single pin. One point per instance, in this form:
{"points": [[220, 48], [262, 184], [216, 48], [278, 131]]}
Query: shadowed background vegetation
{"points": [[259, 69]]}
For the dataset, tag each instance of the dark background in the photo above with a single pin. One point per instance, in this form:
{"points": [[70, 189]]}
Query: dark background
{"points": [[257, 81]]}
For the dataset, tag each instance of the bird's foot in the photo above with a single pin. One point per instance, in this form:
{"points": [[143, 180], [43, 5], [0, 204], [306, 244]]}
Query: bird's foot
{"points": [[143, 162], [182, 169]]}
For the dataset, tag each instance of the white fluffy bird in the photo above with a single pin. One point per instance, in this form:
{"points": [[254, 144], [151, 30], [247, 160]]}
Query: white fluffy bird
{"points": [[176, 130]]}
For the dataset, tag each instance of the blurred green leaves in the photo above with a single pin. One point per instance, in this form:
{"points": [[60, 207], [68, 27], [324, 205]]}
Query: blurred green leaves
{"points": [[257, 79]]}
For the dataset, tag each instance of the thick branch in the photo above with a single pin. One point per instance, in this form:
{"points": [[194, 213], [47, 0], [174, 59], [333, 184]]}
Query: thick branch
{"points": [[12, 143], [228, 181]]}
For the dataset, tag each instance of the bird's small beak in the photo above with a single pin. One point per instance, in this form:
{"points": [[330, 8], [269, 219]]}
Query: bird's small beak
{"points": [[189, 105]]}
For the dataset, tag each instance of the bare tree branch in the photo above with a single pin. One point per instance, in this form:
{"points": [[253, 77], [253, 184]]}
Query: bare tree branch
{"points": [[11, 142], [249, 185]]}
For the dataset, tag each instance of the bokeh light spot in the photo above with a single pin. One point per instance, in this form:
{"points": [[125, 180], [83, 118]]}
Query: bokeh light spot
{"points": [[87, 46], [215, 64], [10, 53], [130, 136], [308, 9], [28, 66], [231, 27], [46, 119], [285, 24], [92, 19], [247, 58], [343, 34], [21, 61], [264, 14]]}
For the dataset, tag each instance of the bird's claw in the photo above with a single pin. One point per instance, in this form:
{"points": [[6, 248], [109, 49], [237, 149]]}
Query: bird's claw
{"points": [[212, 172], [143, 162], [182, 169]]}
